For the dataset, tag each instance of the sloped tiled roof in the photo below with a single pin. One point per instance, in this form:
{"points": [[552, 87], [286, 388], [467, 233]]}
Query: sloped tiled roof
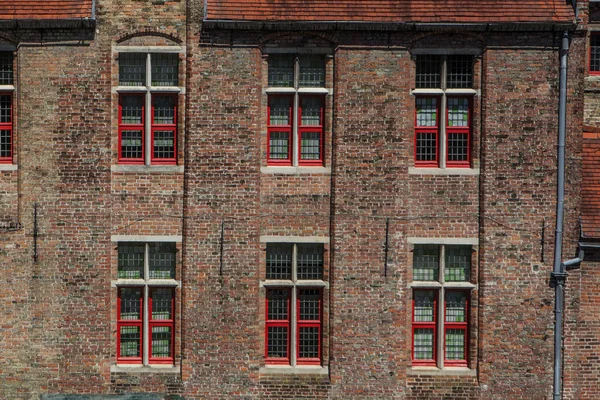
{"points": [[386, 11], [590, 188], [45, 9]]}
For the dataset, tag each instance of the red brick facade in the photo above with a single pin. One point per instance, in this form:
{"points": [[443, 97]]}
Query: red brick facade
{"points": [[223, 206]]}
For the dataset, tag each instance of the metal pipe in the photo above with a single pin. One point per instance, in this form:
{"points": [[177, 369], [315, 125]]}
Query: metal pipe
{"points": [[558, 276]]}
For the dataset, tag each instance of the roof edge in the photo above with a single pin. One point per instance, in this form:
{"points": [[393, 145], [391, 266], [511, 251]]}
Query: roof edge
{"points": [[386, 26], [67, 23]]}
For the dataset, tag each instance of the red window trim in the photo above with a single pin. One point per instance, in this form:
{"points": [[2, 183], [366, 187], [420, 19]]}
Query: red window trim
{"points": [[280, 128], [129, 322], [310, 128], [592, 34], [277, 323], [428, 129], [161, 323], [461, 130], [425, 325], [309, 324], [8, 126], [127, 127], [464, 326], [164, 127]]}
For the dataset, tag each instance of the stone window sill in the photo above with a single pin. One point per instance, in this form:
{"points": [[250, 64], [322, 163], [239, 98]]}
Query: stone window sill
{"points": [[447, 371], [145, 369], [297, 370], [443, 171], [147, 169]]}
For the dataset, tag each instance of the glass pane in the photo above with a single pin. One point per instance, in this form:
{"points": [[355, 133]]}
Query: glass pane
{"points": [[595, 53], [279, 143], [458, 263], [277, 341], [132, 69], [458, 111], [312, 71], [278, 304], [131, 303], [164, 109], [162, 260], [130, 341], [456, 307], [426, 262], [423, 344], [165, 69], [131, 261], [164, 144], [455, 344], [308, 345], [310, 304], [280, 110], [310, 261], [281, 70], [132, 109], [459, 72], [311, 108], [310, 146], [6, 68], [426, 111], [426, 146], [279, 261], [162, 304], [424, 306], [5, 108], [131, 144], [429, 72], [5, 143], [161, 341], [458, 147]]}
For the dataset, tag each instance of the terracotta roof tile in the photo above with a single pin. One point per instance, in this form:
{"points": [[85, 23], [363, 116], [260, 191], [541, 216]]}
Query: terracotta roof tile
{"points": [[423, 11], [45, 9]]}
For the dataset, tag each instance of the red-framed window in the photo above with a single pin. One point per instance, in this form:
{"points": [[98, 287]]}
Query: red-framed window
{"points": [[130, 325], [161, 321], [458, 131], [279, 130], [164, 128], [310, 130], [131, 128], [6, 127], [456, 328], [594, 53], [424, 327], [294, 335], [427, 131]]}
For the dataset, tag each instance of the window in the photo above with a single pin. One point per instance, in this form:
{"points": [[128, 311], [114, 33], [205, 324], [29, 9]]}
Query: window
{"points": [[6, 107], [443, 111], [148, 97], [295, 111], [294, 304], [146, 303], [440, 306], [595, 53]]}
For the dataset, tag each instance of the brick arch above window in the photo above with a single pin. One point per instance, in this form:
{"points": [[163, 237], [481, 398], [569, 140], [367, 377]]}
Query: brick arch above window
{"points": [[148, 38]]}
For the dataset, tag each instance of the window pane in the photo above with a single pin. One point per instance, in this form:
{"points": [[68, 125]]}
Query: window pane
{"points": [[131, 261], [165, 69], [455, 344], [426, 262], [164, 144], [130, 341], [458, 263], [5, 143], [310, 261], [164, 109], [279, 261], [595, 53], [312, 71], [458, 111], [162, 260], [428, 72], [280, 110], [426, 147], [310, 146], [424, 306], [6, 68], [308, 346], [162, 304], [423, 344], [281, 70], [279, 143], [277, 341], [426, 111], [278, 304], [132, 109], [458, 147], [310, 304], [131, 303], [131, 144], [132, 69], [5, 108], [161, 341], [311, 108], [459, 72], [456, 307]]}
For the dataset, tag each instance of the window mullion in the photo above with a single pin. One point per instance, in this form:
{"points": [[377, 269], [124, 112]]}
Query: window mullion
{"points": [[443, 116], [148, 112], [294, 309], [146, 315], [295, 137], [441, 337]]}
